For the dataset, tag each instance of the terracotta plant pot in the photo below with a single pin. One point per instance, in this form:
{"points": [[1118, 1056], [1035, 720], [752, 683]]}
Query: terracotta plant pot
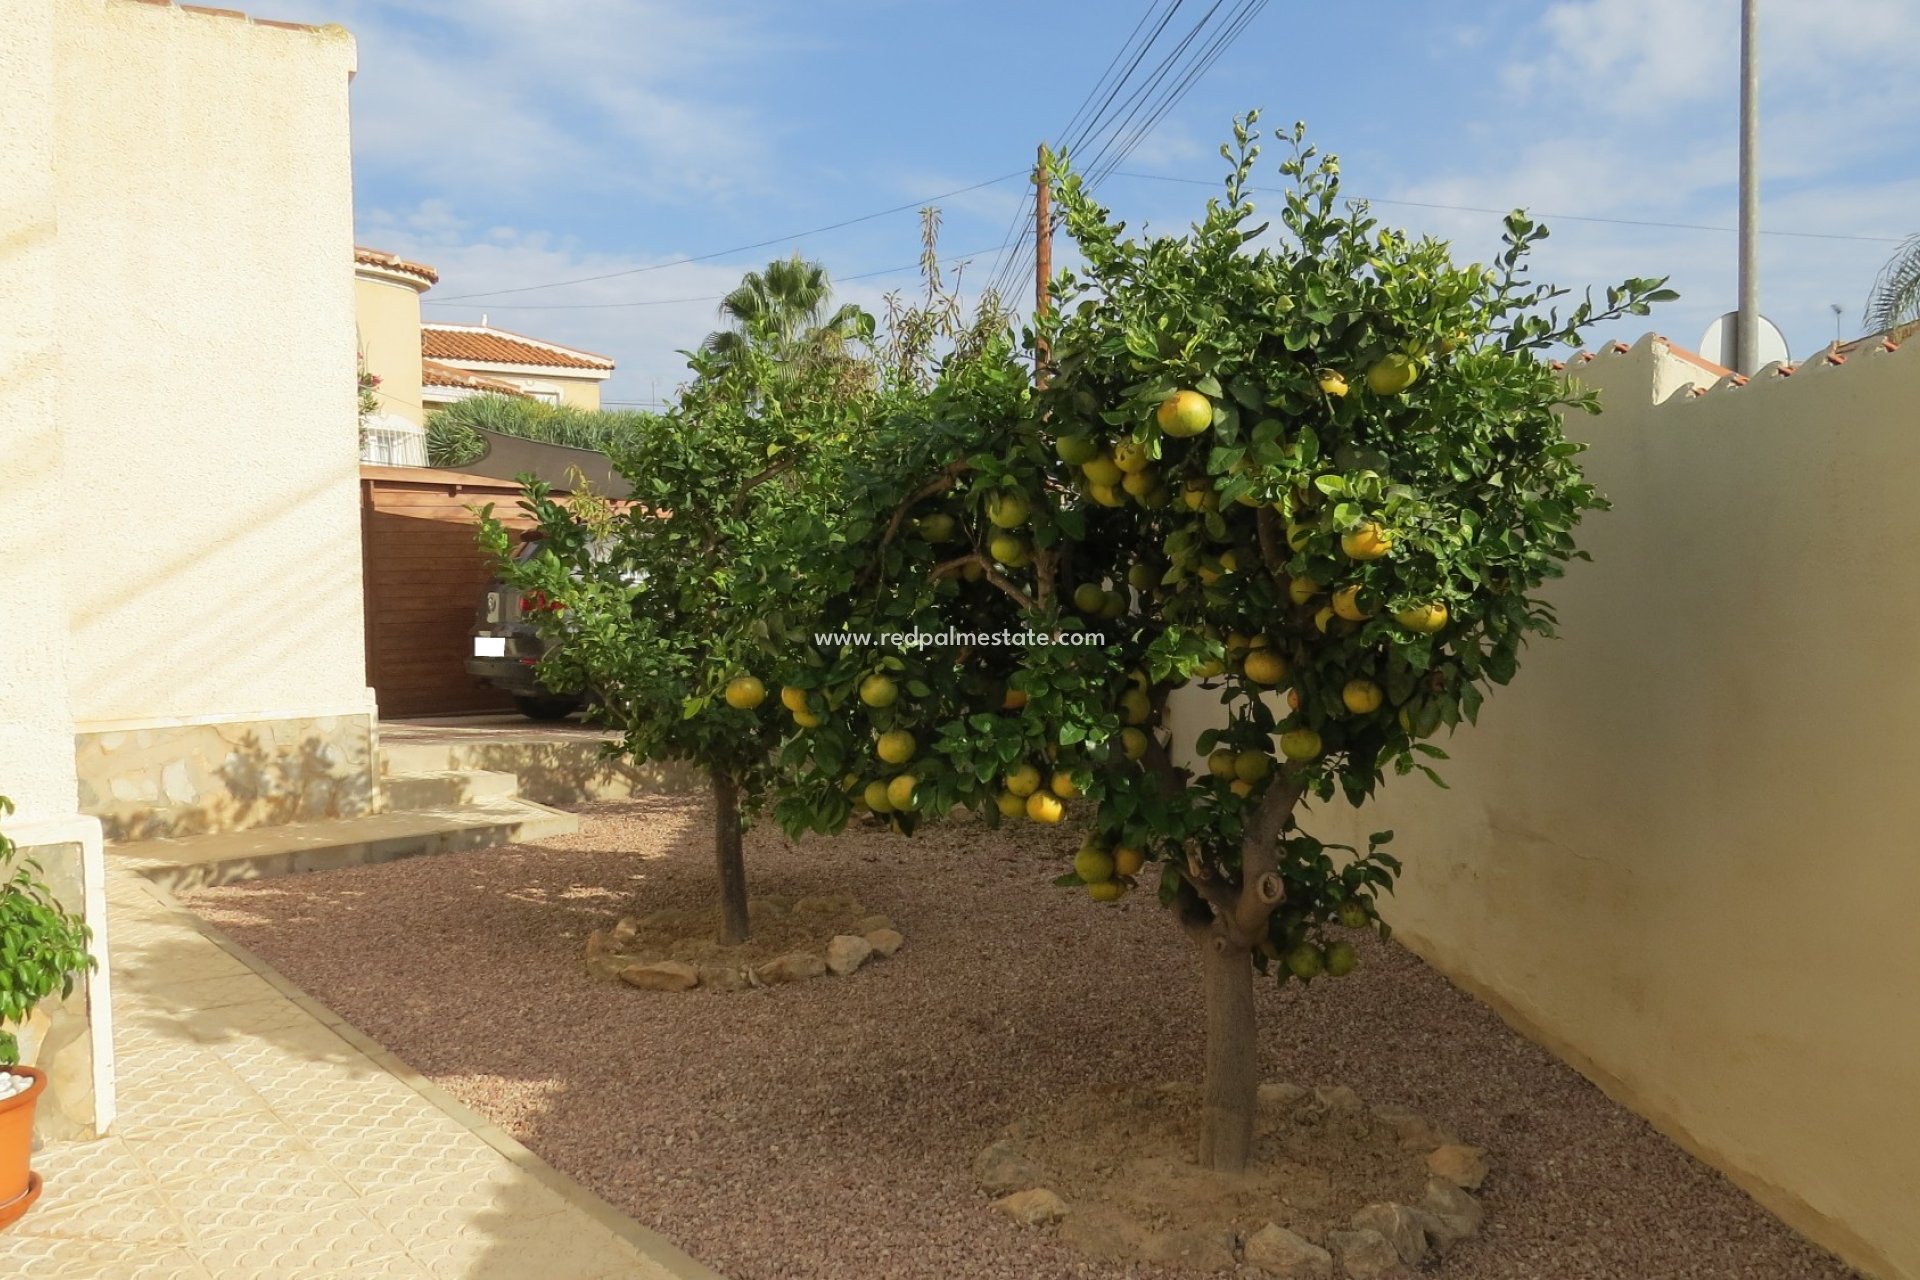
{"points": [[19, 1186]]}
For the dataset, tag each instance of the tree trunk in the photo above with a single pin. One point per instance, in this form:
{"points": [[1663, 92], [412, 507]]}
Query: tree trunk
{"points": [[731, 862], [1233, 1075]]}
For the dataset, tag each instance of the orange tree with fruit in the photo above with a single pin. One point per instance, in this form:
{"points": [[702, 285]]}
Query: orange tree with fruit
{"points": [[669, 609], [1314, 467]]}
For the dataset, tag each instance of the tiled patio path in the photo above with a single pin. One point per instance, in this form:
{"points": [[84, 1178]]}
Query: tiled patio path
{"points": [[261, 1138]]}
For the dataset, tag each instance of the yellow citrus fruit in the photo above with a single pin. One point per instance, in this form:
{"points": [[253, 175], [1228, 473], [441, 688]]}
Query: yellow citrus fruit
{"points": [[1369, 542], [1135, 706], [1197, 495], [1023, 781], [900, 792], [806, 719], [973, 571], [1300, 744], [1088, 597], [1305, 961], [1114, 605], [1342, 959], [1015, 699], [938, 527], [1220, 763], [1008, 550], [1010, 805], [1093, 865], [1062, 785], [1301, 590], [1143, 577], [1007, 510], [1210, 668], [1140, 483], [1074, 450], [745, 692], [1106, 495], [1363, 697], [1131, 457], [1185, 413], [1107, 891], [1127, 862], [1102, 469], [1353, 915], [1240, 787], [1392, 375], [895, 746], [1042, 807], [1333, 384], [1264, 666], [1133, 743], [1423, 617], [1297, 536], [1251, 766], [1346, 603], [876, 797], [793, 699], [878, 691]]}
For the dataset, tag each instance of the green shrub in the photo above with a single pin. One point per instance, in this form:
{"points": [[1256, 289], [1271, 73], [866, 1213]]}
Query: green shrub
{"points": [[43, 946], [453, 437]]}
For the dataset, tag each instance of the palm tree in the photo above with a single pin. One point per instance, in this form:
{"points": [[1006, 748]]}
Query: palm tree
{"points": [[783, 310], [1895, 299]]}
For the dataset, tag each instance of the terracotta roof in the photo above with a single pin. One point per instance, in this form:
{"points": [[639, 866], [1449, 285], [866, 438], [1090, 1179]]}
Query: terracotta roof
{"points": [[435, 374], [394, 262], [481, 344], [207, 12]]}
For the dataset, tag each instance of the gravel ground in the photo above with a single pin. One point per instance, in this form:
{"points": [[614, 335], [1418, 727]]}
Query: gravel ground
{"points": [[825, 1129]]}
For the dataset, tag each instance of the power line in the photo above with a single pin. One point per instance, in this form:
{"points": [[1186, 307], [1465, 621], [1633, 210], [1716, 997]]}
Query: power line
{"points": [[722, 253], [1556, 217], [669, 302]]}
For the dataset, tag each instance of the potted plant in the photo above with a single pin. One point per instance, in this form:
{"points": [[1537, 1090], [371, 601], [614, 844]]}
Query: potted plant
{"points": [[43, 949]]}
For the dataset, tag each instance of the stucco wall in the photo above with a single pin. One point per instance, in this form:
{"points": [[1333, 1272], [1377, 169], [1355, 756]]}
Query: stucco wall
{"points": [[36, 732], [389, 327], [206, 389], [1679, 848]]}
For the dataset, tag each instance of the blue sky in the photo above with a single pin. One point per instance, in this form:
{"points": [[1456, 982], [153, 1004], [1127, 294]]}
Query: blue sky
{"points": [[518, 142]]}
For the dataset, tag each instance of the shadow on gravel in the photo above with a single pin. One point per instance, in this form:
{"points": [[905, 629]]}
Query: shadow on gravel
{"points": [[826, 1129]]}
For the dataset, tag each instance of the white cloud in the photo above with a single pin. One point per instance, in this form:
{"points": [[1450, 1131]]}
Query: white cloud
{"points": [[492, 95]]}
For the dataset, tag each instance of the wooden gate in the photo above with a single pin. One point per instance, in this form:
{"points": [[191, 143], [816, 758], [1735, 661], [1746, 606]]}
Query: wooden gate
{"points": [[425, 576]]}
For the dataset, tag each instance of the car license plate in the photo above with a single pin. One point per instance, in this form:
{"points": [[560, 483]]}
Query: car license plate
{"points": [[489, 646]]}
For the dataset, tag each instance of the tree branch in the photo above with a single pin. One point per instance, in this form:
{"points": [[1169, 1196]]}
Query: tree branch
{"points": [[1266, 521], [994, 576], [1261, 888], [785, 464]]}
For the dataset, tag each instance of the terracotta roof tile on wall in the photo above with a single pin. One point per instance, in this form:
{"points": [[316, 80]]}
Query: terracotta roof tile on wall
{"points": [[435, 374], [496, 346], [394, 262]]}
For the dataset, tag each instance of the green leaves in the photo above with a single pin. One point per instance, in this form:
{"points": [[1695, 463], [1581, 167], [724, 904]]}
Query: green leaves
{"points": [[43, 946]]}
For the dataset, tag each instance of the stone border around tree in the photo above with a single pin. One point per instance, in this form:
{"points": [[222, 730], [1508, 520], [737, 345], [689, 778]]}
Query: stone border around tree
{"points": [[843, 955], [1385, 1240]]}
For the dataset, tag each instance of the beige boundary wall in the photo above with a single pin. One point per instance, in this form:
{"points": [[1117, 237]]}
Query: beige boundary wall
{"points": [[1679, 850]]}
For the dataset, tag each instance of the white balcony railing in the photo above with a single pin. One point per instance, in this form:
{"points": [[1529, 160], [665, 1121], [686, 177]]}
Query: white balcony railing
{"points": [[393, 442]]}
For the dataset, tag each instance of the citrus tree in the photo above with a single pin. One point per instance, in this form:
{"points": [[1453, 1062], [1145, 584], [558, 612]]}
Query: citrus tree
{"points": [[1315, 467], [668, 609]]}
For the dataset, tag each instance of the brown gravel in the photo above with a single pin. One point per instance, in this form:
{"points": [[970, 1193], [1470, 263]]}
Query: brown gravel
{"points": [[826, 1129]]}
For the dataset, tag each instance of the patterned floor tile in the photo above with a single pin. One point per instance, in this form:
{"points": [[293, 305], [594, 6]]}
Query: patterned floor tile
{"points": [[138, 1216], [104, 1168], [498, 1246], [328, 1243], [210, 993], [58, 1258]]}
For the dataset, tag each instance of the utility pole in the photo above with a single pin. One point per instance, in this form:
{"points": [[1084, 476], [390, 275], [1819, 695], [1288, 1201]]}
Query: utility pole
{"points": [[1747, 329], [1042, 246]]}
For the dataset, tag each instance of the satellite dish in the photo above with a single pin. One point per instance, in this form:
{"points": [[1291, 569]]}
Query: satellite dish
{"points": [[1717, 343]]}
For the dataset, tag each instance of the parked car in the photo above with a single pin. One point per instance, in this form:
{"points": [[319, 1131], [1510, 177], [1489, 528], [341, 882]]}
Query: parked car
{"points": [[507, 645]]}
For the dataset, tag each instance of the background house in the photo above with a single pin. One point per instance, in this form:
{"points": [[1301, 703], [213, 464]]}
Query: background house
{"points": [[541, 370]]}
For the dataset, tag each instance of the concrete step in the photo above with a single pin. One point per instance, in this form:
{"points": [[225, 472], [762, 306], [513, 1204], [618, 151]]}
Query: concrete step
{"points": [[192, 862], [434, 788]]}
